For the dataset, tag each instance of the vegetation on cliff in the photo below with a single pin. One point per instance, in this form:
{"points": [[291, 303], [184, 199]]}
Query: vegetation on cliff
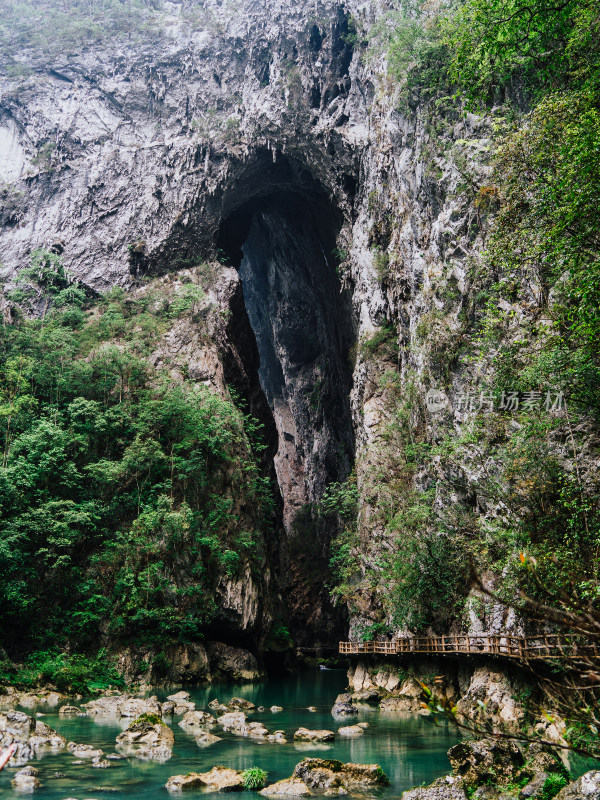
{"points": [[511, 478], [124, 494]]}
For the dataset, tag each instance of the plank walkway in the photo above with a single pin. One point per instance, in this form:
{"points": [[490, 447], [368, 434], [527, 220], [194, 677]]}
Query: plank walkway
{"points": [[530, 648]]}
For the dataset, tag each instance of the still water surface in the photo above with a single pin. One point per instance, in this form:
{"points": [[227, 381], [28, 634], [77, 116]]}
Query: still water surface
{"points": [[409, 748]]}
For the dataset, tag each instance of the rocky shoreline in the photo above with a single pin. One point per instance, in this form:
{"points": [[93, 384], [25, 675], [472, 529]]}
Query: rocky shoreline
{"points": [[492, 768]]}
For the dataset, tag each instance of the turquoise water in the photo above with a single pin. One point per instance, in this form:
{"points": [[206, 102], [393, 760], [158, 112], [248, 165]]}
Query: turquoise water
{"points": [[409, 748]]}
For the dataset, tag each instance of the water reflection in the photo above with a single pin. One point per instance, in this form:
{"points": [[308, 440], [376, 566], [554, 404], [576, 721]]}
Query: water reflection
{"points": [[409, 748]]}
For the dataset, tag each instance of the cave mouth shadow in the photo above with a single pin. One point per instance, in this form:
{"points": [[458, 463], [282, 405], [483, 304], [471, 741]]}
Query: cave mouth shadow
{"points": [[282, 241]]}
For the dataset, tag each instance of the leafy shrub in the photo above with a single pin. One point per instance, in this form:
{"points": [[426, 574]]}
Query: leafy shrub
{"points": [[254, 778]]}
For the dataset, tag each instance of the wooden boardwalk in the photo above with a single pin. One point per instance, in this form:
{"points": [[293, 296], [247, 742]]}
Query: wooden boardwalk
{"points": [[521, 648]]}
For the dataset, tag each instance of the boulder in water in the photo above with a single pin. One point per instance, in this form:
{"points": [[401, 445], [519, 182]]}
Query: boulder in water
{"points": [[306, 735], [26, 780], [240, 704], [351, 730], [448, 788], [194, 720], [290, 787], [219, 779], [147, 738], [325, 774], [343, 706]]}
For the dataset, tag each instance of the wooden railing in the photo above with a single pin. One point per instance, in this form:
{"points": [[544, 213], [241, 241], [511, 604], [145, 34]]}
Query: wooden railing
{"points": [[518, 647]]}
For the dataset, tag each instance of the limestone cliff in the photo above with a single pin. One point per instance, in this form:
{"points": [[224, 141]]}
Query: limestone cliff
{"points": [[258, 135]]}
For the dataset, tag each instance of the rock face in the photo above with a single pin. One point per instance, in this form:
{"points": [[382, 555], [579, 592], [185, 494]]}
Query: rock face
{"points": [[262, 136], [327, 774]]}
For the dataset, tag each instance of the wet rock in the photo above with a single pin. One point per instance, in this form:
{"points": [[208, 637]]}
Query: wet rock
{"points": [[306, 735], [277, 737], [256, 730], [234, 721], [17, 724], [100, 763], [323, 774], [343, 706], [240, 704], [215, 705], [366, 696], [585, 788], [29, 735], [311, 708], [486, 761], [69, 710], [46, 738], [84, 750], [182, 702], [185, 783], [193, 720], [448, 788], [167, 708], [290, 787], [148, 739], [122, 705], [204, 738], [276, 709], [261, 708], [26, 780], [364, 725], [179, 697], [219, 779], [351, 730]]}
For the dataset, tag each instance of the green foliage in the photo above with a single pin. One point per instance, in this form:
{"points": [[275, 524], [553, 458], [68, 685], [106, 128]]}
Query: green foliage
{"points": [[151, 719], [116, 485], [68, 673], [383, 342], [541, 45], [254, 778], [553, 784]]}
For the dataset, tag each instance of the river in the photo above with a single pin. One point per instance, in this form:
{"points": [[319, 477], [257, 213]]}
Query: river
{"points": [[409, 748]]}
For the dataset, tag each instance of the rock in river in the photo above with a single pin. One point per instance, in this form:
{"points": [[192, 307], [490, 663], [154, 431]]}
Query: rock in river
{"points": [[343, 706], [240, 703], [327, 774], [290, 787], [448, 788], [26, 780], [148, 738], [351, 730], [195, 720], [306, 735], [219, 779]]}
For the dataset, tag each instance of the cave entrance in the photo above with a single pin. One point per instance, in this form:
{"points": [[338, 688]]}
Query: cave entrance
{"points": [[282, 240]]}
